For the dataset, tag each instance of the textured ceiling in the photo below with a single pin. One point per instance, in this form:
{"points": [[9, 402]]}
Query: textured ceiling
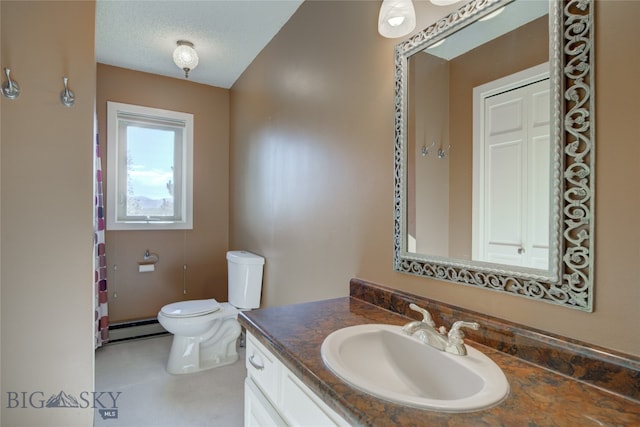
{"points": [[227, 34]]}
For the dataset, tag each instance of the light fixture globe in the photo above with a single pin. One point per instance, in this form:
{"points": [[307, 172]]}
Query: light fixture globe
{"points": [[397, 18], [185, 57]]}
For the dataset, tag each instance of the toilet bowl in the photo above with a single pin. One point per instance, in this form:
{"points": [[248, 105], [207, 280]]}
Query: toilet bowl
{"points": [[201, 340], [205, 332]]}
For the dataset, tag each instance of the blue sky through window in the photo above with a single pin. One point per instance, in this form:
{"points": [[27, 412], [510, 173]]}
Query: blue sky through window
{"points": [[150, 169]]}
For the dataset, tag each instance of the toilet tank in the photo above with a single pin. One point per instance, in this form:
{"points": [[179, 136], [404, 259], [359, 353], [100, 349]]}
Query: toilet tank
{"points": [[245, 279]]}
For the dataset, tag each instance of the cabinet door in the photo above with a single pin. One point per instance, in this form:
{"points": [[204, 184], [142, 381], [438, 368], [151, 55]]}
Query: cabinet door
{"points": [[274, 396], [301, 407], [258, 411]]}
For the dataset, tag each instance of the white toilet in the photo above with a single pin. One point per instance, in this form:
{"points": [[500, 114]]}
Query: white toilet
{"points": [[205, 331]]}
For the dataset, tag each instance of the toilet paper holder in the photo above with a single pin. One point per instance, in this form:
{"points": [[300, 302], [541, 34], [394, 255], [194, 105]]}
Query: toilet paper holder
{"points": [[149, 263]]}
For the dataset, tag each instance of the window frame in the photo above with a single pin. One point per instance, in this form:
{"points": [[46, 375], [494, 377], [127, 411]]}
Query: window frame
{"points": [[117, 166]]}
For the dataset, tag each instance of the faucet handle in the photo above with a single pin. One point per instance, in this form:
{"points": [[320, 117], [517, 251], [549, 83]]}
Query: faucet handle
{"points": [[426, 316], [455, 337], [456, 334]]}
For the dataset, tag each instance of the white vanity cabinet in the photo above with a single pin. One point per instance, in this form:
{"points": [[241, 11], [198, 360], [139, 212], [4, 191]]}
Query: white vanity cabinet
{"points": [[274, 396]]}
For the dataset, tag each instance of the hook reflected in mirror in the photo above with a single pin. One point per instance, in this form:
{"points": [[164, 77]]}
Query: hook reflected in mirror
{"points": [[426, 150], [441, 153], [444, 153]]}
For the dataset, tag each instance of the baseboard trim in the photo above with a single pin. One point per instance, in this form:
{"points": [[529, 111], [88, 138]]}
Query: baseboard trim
{"points": [[134, 329]]}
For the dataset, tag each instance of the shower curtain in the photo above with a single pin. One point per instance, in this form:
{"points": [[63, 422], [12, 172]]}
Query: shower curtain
{"points": [[101, 329]]}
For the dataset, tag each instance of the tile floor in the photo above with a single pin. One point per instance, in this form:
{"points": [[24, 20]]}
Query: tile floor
{"points": [[150, 397]]}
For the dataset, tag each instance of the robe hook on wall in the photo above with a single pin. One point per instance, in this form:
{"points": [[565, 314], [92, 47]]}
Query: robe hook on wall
{"points": [[67, 97], [10, 88]]}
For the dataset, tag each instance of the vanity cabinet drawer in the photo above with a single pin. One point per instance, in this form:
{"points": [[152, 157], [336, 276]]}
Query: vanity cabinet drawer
{"points": [[262, 367]]}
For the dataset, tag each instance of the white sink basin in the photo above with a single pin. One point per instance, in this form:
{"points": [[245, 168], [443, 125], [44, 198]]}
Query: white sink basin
{"points": [[385, 362]]}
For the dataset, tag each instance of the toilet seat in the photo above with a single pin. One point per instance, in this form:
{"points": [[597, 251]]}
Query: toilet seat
{"points": [[191, 308]]}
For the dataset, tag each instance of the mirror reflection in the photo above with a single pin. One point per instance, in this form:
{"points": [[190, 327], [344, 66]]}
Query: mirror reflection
{"points": [[493, 160], [478, 141]]}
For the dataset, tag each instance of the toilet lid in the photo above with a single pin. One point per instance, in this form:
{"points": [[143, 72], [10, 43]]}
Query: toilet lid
{"points": [[191, 308]]}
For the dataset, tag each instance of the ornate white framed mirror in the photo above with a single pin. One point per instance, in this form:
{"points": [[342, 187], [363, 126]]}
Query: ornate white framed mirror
{"points": [[494, 150]]}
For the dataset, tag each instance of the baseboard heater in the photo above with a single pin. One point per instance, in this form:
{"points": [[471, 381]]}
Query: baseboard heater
{"points": [[142, 328]]}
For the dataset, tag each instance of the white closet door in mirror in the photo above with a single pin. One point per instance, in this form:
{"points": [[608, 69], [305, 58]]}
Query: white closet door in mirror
{"points": [[513, 201]]}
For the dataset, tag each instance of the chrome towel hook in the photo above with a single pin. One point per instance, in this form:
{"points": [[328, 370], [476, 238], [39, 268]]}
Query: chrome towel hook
{"points": [[67, 97], [10, 88]]}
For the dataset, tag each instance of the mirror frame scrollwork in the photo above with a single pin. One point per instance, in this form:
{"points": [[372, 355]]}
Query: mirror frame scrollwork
{"points": [[570, 279]]}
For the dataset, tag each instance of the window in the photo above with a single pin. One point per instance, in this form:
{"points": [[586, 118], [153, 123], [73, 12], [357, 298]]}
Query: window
{"points": [[149, 168]]}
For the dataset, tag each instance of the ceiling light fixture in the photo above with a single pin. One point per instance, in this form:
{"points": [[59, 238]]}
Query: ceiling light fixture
{"points": [[185, 57], [397, 18]]}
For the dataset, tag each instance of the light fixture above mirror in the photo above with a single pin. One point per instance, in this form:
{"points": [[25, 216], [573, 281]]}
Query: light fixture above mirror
{"points": [[566, 276], [397, 18]]}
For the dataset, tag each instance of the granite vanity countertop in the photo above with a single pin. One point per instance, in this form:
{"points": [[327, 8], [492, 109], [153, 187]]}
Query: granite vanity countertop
{"points": [[538, 397]]}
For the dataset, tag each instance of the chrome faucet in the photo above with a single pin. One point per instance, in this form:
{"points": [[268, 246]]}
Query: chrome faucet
{"points": [[425, 330]]}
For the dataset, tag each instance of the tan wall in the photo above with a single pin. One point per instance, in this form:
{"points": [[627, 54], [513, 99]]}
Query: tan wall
{"points": [[312, 171], [203, 249], [311, 152], [46, 199]]}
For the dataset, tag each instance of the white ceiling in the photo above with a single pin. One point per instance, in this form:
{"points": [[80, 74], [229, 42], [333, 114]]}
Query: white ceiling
{"points": [[227, 34]]}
